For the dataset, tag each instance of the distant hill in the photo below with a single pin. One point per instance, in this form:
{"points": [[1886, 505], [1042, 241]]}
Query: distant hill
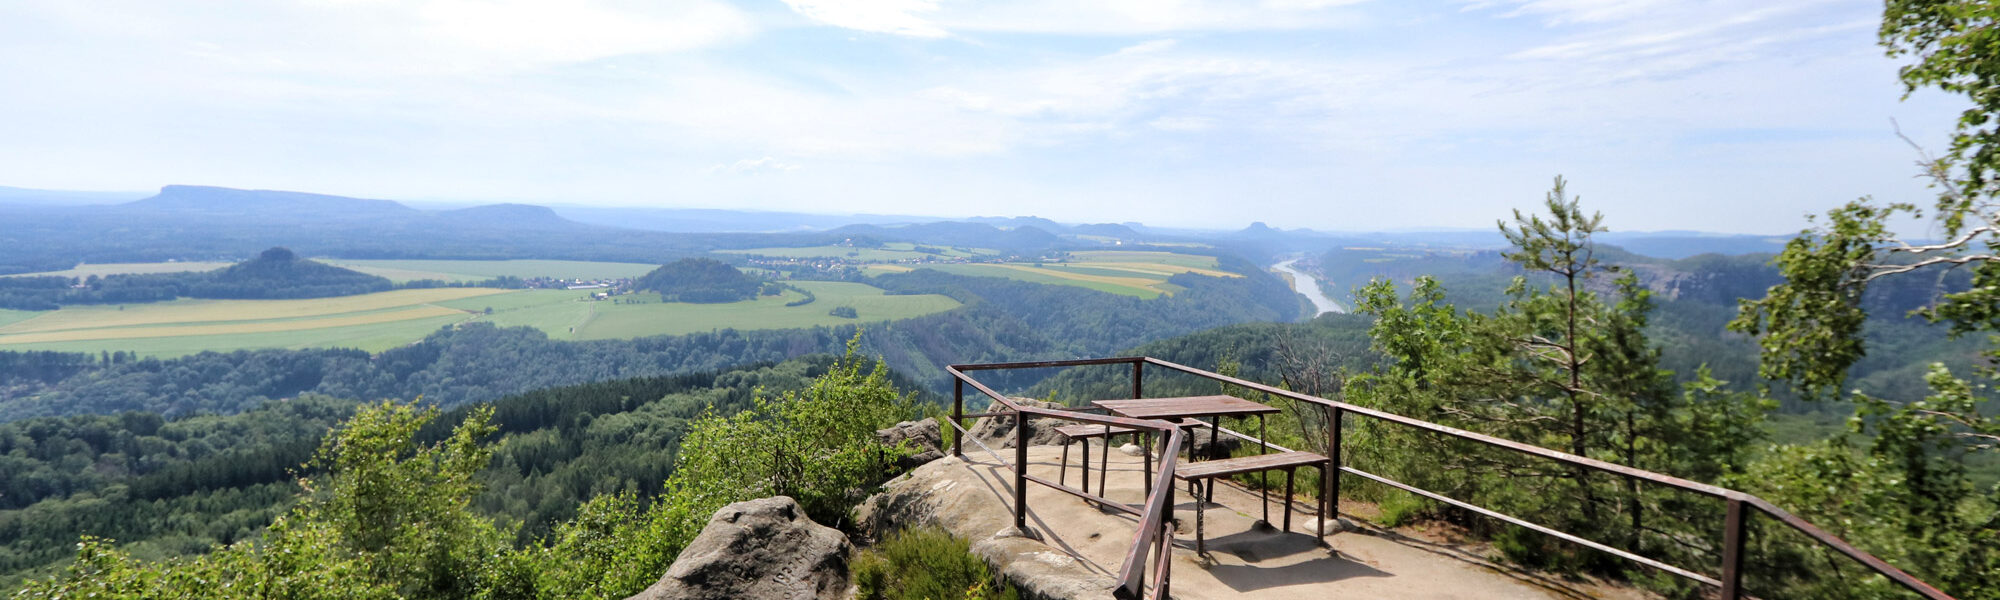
{"points": [[276, 273], [699, 280]]}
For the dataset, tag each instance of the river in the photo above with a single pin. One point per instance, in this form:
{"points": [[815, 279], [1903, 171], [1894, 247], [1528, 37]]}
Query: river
{"points": [[1305, 284]]}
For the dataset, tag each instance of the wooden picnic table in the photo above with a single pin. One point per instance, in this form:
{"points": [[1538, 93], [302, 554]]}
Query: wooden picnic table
{"points": [[1204, 474], [1175, 409]]}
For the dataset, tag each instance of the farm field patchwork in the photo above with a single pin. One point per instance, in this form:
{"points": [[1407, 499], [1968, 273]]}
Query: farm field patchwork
{"points": [[87, 270], [1141, 274], [476, 270], [369, 321], [386, 320], [608, 320], [889, 252]]}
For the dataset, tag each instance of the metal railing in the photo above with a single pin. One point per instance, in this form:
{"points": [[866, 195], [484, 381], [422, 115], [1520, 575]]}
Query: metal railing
{"points": [[1155, 535]]}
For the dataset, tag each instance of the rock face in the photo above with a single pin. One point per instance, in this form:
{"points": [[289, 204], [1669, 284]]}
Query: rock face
{"points": [[998, 432], [925, 436], [949, 495], [763, 548]]}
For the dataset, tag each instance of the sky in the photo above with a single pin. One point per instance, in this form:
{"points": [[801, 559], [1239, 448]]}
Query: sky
{"points": [[1730, 116]]}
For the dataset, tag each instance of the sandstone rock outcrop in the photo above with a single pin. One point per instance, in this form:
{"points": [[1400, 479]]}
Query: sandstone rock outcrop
{"points": [[924, 436], [764, 548], [998, 432]]}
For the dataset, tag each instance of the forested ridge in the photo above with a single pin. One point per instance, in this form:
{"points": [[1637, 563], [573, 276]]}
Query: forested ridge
{"points": [[170, 487]]}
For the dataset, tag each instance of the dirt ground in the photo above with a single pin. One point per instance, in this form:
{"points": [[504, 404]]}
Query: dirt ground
{"points": [[1077, 547]]}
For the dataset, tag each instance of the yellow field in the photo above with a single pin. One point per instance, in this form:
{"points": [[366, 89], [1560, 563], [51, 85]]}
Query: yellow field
{"points": [[1136, 273], [87, 270], [214, 312], [125, 333]]}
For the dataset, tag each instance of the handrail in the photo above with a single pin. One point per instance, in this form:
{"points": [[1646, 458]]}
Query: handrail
{"points": [[1153, 531], [1154, 534], [1734, 529]]}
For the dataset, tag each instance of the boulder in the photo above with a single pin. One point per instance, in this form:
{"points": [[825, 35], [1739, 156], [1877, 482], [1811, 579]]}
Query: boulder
{"points": [[925, 438], [763, 548], [998, 432]]}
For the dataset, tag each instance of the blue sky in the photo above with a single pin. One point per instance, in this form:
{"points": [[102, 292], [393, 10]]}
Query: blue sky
{"points": [[1734, 116]]}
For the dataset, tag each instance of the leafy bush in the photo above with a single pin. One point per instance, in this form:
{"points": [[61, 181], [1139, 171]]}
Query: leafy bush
{"points": [[926, 564]]}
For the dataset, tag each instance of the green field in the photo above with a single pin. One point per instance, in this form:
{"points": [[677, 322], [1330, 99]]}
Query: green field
{"points": [[386, 320], [129, 269], [1139, 274], [478, 270], [889, 252]]}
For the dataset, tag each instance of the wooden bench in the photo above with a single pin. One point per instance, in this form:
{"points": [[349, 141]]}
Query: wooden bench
{"points": [[1085, 432], [1289, 462]]}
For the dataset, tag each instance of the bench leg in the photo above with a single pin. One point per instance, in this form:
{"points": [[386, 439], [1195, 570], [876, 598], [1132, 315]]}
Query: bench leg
{"points": [[1062, 473], [1264, 489], [1289, 474], [1200, 518]]}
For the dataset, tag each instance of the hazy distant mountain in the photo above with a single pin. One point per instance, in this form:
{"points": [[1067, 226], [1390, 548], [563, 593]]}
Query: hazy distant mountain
{"points": [[187, 200], [1114, 230], [25, 196], [507, 215], [714, 220]]}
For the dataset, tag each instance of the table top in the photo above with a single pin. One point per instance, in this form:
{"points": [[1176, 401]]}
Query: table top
{"points": [[1187, 406]]}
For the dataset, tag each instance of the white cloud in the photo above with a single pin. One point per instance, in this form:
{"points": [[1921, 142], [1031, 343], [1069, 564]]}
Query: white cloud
{"points": [[932, 19], [881, 16], [754, 166]]}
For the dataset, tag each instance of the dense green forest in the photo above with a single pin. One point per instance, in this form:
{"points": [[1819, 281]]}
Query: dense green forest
{"points": [[699, 280], [173, 487], [397, 502]]}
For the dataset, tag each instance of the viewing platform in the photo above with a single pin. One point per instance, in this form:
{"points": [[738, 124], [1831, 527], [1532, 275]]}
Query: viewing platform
{"points": [[1130, 537]]}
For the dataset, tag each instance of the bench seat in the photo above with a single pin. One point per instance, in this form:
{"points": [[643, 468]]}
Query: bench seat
{"points": [[1247, 464]]}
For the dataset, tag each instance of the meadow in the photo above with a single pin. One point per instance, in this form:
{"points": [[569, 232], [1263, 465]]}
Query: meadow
{"points": [[889, 252], [380, 321], [477, 270], [87, 270], [1141, 274]]}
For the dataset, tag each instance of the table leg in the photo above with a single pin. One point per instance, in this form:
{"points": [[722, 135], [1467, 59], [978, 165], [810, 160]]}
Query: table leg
{"points": [[1148, 451], [1264, 477], [1104, 466], [1086, 465]]}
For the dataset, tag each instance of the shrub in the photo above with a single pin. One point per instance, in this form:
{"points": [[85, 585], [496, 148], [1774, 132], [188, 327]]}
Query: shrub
{"points": [[926, 564]]}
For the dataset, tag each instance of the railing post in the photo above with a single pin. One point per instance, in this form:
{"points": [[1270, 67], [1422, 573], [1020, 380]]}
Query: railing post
{"points": [[1166, 546], [1732, 551], [1138, 376], [1021, 471], [1332, 483], [957, 417]]}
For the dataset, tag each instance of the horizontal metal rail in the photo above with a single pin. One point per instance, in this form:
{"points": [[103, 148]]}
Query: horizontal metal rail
{"points": [[1734, 529]]}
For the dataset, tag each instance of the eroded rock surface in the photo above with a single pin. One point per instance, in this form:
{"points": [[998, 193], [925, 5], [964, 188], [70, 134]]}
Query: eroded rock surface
{"points": [[998, 432], [924, 436], [764, 548]]}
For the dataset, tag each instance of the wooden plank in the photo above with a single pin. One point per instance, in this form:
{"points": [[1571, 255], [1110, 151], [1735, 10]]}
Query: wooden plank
{"points": [[1093, 431], [1189, 406], [1247, 464]]}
